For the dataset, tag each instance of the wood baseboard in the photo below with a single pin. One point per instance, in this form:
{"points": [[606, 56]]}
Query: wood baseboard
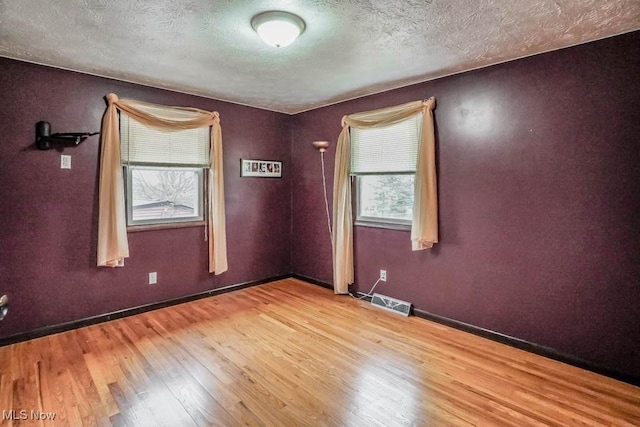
{"points": [[508, 340], [529, 346], [312, 281], [75, 324], [485, 333]]}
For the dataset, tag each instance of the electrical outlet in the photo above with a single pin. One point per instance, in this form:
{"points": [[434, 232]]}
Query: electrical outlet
{"points": [[153, 278], [383, 275], [65, 161]]}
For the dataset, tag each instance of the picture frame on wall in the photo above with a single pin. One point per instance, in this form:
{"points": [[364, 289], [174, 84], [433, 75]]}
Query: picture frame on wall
{"points": [[260, 168]]}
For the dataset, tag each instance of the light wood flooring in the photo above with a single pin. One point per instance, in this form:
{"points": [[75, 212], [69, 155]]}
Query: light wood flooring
{"points": [[292, 354]]}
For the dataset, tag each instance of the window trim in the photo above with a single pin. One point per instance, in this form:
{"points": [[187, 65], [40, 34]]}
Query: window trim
{"points": [[164, 226], [164, 223], [375, 222], [384, 225]]}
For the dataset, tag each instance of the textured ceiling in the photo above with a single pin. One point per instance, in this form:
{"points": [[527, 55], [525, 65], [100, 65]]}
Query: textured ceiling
{"points": [[349, 49]]}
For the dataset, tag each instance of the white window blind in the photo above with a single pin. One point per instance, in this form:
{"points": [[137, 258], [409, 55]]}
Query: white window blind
{"points": [[389, 149], [143, 145]]}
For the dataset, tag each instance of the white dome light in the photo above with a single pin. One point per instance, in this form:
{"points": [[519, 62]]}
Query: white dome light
{"points": [[278, 29]]}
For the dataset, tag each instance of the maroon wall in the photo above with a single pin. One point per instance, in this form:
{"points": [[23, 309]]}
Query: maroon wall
{"points": [[538, 165], [48, 216], [539, 202]]}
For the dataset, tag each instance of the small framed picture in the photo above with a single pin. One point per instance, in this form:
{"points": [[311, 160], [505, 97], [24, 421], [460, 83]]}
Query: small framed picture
{"points": [[260, 168]]}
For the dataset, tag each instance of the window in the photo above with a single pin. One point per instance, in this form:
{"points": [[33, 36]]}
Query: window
{"points": [[164, 173], [383, 161], [163, 194]]}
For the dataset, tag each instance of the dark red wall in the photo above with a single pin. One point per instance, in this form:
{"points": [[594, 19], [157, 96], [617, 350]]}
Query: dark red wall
{"points": [[538, 166], [48, 216], [539, 202]]}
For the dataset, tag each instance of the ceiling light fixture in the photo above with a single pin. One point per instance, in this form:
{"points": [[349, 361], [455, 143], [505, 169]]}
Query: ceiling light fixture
{"points": [[278, 28]]}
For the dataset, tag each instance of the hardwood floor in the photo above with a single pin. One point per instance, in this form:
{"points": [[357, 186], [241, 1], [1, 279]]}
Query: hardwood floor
{"points": [[293, 354]]}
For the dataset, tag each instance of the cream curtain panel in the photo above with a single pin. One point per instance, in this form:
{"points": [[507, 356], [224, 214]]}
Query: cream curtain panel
{"points": [[113, 246], [424, 225]]}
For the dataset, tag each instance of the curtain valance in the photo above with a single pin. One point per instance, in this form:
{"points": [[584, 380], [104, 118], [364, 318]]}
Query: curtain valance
{"points": [[424, 225], [113, 246]]}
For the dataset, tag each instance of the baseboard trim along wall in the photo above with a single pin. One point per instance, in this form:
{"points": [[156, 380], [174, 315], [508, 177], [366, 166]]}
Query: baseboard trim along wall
{"points": [[505, 339], [529, 346], [312, 281], [75, 324], [485, 333]]}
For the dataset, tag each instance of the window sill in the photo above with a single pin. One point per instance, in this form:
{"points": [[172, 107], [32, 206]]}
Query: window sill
{"points": [[387, 225], [164, 226]]}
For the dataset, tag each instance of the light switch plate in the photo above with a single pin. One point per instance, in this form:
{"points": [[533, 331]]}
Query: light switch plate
{"points": [[65, 161]]}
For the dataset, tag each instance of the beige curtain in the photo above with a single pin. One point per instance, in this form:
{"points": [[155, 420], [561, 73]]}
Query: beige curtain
{"points": [[112, 230], [424, 226]]}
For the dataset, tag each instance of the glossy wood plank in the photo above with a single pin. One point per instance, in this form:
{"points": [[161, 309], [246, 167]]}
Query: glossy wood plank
{"points": [[290, 354]]}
